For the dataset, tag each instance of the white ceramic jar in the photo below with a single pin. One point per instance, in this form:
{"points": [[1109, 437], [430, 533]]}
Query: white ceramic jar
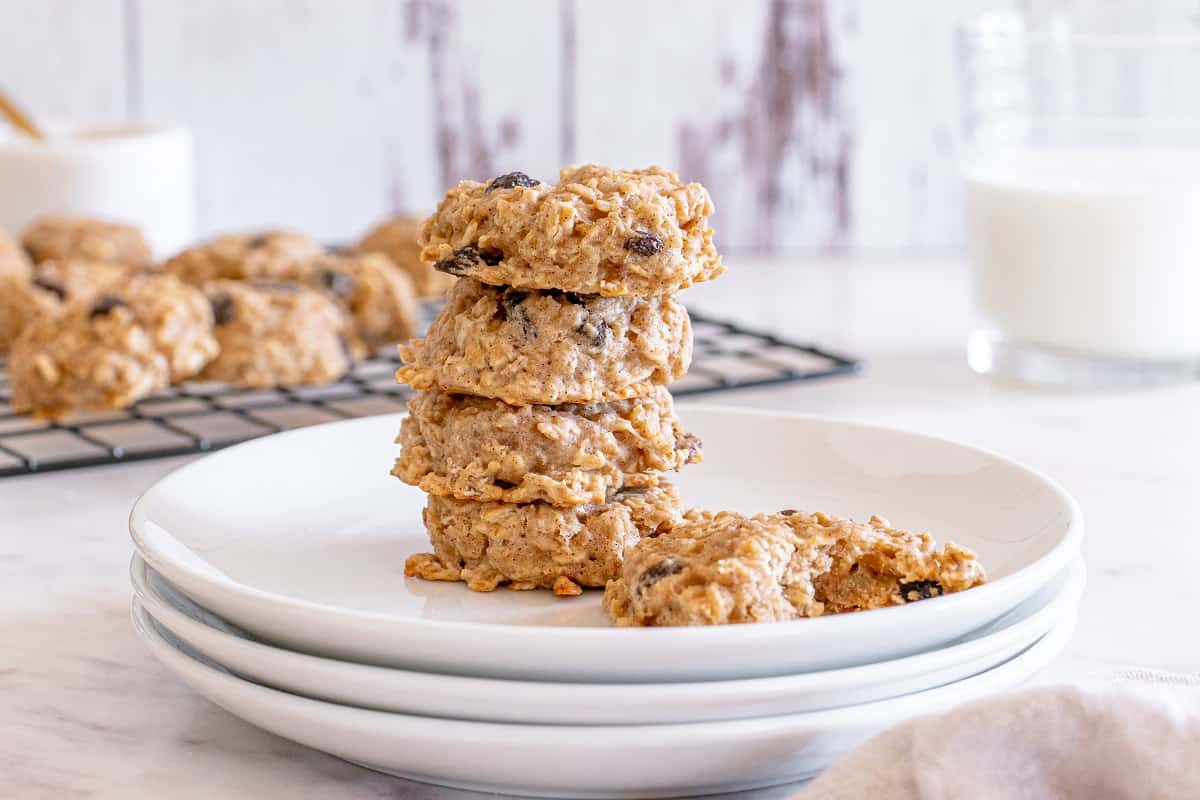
{"points": [[141, 174]]}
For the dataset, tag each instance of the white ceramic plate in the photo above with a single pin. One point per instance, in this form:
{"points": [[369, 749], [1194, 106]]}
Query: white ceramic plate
{"points": [[582, 761], [494, 700], [301, 539]]}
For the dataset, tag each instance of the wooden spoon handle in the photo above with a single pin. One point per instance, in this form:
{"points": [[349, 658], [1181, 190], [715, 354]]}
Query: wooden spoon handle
{"points": [[18, 118]]}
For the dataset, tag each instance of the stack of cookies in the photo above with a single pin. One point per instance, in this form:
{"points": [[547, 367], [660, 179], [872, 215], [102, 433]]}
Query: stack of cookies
{"points": [[542, 423]]}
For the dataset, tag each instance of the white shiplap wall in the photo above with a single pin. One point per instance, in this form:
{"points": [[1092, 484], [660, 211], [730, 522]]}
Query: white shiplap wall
{"points": [[815, 123], [285, 99], [65, 58]]}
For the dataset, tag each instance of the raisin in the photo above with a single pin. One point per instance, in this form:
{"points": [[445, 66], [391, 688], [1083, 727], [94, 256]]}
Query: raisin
{"points": [[510, 301], [461, 263], [222, 308], [467, 260], [691, 447], [509, 309], [787, 512], [503, 484], [56, 289], [511, 179], [653, 574], [603, 335], [598, 334], [105, 304], [920, 590], [340, 284], [644, 244], [256, 242]]}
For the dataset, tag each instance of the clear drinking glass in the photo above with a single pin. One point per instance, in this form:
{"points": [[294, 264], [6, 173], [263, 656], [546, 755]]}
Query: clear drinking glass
{"points": [[1082, 168]]}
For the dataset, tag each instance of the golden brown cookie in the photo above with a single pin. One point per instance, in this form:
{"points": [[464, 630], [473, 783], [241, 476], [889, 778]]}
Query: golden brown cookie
{"points": [[276, 333], [93, 356], [475, 448], [597, 231], [273, 255], [534, 545], [722, 567], [84, 238], [526, 347]]}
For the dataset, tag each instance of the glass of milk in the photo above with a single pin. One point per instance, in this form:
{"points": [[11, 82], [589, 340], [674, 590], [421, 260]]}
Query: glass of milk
{"points": [[140, 174], [1082, 167]]}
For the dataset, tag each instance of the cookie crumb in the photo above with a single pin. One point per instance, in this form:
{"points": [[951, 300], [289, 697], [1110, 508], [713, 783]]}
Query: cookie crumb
{"points": [[565, 587]]}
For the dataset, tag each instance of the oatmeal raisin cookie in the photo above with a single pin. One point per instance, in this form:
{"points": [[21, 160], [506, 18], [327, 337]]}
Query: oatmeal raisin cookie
{"points": [[61, 237], [534, 545], [723, 567], [526, 347], [275, 255], [597, 231], [276, 333], [93, 356], [476, 448]]}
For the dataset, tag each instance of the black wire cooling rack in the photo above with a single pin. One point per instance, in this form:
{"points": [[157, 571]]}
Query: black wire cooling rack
{"points": [[198, 417]]}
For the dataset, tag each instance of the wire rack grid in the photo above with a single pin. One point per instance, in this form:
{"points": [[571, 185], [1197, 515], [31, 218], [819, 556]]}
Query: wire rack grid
{"points": [[199, 417]]}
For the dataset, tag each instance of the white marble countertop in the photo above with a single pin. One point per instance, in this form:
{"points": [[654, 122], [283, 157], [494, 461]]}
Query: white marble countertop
{"points": [[86, 712]]}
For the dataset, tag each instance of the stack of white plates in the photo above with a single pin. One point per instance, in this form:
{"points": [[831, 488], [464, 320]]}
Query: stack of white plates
{"points": [[269, 577]]}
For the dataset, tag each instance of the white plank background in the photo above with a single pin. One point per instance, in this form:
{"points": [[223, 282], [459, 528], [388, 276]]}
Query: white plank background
{"points": [[65, 58], [824, 124]]}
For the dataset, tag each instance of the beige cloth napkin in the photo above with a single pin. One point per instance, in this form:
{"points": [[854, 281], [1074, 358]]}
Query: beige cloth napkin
{"points": [[1129, 734]]}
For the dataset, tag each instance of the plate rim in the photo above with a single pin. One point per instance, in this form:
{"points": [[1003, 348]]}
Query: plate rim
{"points": [[782, 747], [1061, 604], [1056, 639], [1053, 560]]}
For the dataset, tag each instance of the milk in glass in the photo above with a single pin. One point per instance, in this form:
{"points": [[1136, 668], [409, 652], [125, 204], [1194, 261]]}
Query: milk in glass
{"points": [[1090, 250]]}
